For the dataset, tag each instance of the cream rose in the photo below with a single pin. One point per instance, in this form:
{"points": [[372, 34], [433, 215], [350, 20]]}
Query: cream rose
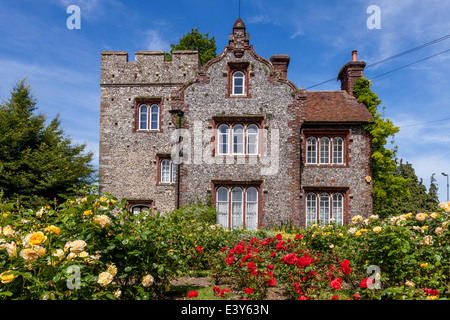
{"points": [[104, 279], [102, 220], [147, 281]]}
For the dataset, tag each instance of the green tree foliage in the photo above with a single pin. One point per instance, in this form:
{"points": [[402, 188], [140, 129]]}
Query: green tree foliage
{"points": [[387, 186], [418, 200], [36, 161], [194, 40]]}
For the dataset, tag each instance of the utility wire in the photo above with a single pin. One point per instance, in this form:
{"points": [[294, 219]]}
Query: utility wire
{"points": [[395, 56], [420, 123], [410, 64]]}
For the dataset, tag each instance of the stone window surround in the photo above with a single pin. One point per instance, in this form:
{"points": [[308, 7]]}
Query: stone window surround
{"points": [[317, 190], [149, 101], [235, 66], [331, 133], [245, 121], [244, 185], [139, 202]]}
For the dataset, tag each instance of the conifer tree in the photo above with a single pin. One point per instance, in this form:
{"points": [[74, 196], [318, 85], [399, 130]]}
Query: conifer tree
{"points": [[36, 161]]}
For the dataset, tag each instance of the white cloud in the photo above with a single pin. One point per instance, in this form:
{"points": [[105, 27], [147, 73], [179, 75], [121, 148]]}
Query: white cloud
{"points": [[155, 42]]}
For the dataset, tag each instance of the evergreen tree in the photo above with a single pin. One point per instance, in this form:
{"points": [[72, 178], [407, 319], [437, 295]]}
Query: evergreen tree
{"points": [[36, 161], [194, 40], [433, 198], [387, 185]]}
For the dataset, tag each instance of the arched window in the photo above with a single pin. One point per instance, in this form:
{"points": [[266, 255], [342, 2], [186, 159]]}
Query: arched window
{"points": [[324, 146], [311, 209], [224, 132], [251, 211], [324, 208], [311, 150], [236, 208], [154, 117], [338, 208], [143, 117], [252, 139], [165, 171], [222, 207], [338, 150], [238, 83], [238, 139]]}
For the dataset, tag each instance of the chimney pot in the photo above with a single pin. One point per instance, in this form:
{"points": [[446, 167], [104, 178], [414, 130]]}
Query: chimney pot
{"points": [[354, 55]]}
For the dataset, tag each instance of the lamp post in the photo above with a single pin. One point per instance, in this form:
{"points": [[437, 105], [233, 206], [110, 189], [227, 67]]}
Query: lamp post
{"points": [[446, 175]]}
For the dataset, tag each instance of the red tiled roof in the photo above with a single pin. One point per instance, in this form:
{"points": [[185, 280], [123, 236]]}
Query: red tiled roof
{"points": [[335, 106]]}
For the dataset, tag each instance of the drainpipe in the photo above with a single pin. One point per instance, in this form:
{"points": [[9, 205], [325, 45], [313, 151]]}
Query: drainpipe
{"points": [[180, 114]]}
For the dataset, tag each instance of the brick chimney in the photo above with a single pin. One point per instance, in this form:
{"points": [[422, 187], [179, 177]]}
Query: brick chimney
{"points": [[280, 63], [350, 72]]}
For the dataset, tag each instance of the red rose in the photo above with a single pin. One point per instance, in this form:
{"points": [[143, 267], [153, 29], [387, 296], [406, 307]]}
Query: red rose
{"points": [[365, 283], [304, 261], [199, 249], [249, 290], [298, 236], [192, 294], [345, 263], [346, 270], [273, 254], [279, 236], [336, 284], [289, 258], [271, 281], [269, 266], [334, 298], [357, 296], [301, 298]]}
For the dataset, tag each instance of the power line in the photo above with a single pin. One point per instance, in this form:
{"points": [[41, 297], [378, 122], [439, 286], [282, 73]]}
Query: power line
{"points": [[409, 64], [426, 122], [394, 57]]}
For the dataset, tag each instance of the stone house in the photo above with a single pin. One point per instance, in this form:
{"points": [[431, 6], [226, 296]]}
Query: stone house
{"points": [[235, 131]]}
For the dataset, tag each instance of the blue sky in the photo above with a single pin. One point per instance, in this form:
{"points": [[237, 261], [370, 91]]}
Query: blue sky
{"points": [[63, 66]]}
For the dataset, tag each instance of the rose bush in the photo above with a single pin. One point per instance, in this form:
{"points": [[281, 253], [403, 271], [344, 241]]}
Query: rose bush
{"points": [[92, 247]]}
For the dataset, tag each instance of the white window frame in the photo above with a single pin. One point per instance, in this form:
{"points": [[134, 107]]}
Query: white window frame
{"points": [[237, 135], [236, 209], [324, 206], [338, 150], [154, 110], [311, 209], [338, 208], [171, 175], [252, 134], [238, 75], [141, 114], [311, 150], [222, 135], [324, 151]]}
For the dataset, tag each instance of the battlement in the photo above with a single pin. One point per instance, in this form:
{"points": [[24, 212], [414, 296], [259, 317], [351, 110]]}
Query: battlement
{"points": [[149, 67]]}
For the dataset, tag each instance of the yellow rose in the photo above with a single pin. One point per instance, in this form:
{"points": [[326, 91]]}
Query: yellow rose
{"points": [[76, 246], [358, 233], [420, 216], [30, 255], [7, 276], [40, 251], [424, 265], [59, 253], [409, 283], [55, 230], [112, 269], [432, 297], [377, 229], [147, 281], [102, 220], [434, 215], [104, 279], [11, 249], [37, 238], [8, 231], [87, 212]]}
